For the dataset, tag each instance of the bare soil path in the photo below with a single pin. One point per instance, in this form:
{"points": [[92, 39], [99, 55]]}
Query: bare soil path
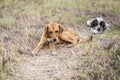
{"points": [[49, 67]]}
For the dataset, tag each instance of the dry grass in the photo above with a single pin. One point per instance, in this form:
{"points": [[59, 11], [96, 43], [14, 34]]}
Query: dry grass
{"points": [[21, 23]]}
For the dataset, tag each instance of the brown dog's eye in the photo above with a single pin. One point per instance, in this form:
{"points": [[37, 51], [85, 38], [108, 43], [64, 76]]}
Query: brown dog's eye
{"points": [[56, 31]]}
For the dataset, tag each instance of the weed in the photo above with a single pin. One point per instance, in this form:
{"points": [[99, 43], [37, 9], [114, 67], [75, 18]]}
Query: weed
{"points": [[80, 20], [0, 50], [10, 2], [32, 33], [7, 23]]}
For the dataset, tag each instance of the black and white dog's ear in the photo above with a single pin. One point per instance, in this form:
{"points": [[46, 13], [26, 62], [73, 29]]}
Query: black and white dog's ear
{"points": [[107, 25], [88, 23]]}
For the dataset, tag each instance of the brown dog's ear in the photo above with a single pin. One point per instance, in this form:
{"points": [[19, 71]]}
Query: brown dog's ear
{"points": [[60, 28], [45, 29]]}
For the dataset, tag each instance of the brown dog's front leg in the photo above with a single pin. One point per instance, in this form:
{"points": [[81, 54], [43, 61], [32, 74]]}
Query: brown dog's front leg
{"points": [[40, 44], [52, 47]]}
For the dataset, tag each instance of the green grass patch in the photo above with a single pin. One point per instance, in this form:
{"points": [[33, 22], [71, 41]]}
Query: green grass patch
{"points": [[70, 4], [114, 31], [7, 67], [80, 20], [7, 23], [48, 8], [32, 33], [0, 50], [10, 2]]}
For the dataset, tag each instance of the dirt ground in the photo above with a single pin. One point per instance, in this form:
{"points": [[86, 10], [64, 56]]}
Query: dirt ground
{"points": [[45, 66], [88, 61]]}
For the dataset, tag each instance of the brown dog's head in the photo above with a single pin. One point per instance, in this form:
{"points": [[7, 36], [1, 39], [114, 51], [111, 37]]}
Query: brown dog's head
{"points": [[53, 31]]}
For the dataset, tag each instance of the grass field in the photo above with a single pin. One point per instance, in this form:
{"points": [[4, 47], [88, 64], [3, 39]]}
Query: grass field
{"points": [[21, 23]]}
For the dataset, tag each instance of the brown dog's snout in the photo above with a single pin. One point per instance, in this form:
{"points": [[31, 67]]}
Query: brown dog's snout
{"points": [[54, 40]]}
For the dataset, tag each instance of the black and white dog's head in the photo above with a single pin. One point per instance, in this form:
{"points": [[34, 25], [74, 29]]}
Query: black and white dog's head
{"points": [[97, 25]]}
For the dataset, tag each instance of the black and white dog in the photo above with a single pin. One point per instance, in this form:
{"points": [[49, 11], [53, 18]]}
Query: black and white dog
{"points": [[97, 25]]}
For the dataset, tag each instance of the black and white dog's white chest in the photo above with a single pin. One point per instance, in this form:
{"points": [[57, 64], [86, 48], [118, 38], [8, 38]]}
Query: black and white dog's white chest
{"points": [[97, 25]]}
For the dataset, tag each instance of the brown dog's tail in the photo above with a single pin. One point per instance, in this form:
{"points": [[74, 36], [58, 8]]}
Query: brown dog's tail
{"points": [[85, 40]]}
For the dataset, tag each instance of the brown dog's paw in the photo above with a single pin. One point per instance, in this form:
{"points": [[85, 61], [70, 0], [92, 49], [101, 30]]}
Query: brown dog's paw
{"points": [[33, 53], [70, 45], [54, 53]]}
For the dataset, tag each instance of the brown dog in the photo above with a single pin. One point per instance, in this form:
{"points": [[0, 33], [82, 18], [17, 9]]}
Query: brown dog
{"points": [[55, 33]]}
